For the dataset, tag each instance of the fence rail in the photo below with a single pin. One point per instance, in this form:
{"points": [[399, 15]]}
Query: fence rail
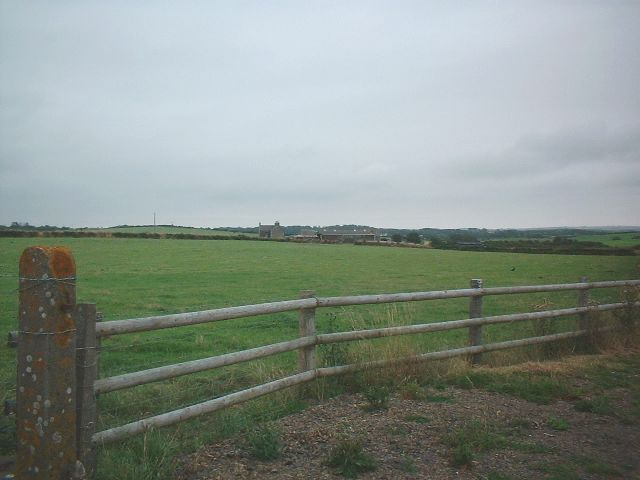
{"points": [[119, 327], [50, 275], [143, 377], [170, 418]]}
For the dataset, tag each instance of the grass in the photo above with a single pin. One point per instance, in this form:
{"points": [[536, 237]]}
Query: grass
{"points": [[439, 398], [377, 396], [479, 437], [599, 382], [520, 424], [408, 465], [399, 430], [263, 442], [531, 447], [416, 419], [7, 435], [462, 455], [537, 388], [558, 424], [412, 391], [164, 229], [626, 239], [572, 468], [600, 405], [130, 278], [597, 466], [349, 459], [493, 475], [473, 438], [621, 240], [606, 378], [560, 471]]}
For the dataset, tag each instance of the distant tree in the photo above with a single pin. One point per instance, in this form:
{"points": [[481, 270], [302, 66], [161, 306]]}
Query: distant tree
{"points": [[413, 237], [559, 240], [462, 237], [396, 237], [438, 242], [21, 225]]}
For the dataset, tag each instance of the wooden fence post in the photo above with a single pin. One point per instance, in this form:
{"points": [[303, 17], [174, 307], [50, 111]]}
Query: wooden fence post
{"points": [[46, 375], [307, 327], [475, 311], [86, 374], [583, 318]]}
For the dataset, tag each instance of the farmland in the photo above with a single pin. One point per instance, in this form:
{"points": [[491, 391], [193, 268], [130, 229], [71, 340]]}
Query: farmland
{"points": [[135, 277], [624, 239], [171, 230]]}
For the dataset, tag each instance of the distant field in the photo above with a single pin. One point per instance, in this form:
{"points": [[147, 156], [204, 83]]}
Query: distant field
{"points": [[628, 239], [621, 240], [136, 277], [172, 230]]}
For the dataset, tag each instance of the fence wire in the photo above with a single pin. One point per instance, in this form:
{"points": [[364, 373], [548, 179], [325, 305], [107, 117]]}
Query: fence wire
{"points": [[154, 340]]}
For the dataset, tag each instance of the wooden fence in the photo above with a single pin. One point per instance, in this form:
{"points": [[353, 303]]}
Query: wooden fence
{"points": [[59, 343]]}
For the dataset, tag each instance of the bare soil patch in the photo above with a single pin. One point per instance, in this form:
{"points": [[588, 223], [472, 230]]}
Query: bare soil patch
{"points": [[408, 440]]}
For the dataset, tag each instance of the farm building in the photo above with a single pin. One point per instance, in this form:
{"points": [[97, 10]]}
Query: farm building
{"points": [[271, 231], [348, 235], [306, 234], [470, 245]]}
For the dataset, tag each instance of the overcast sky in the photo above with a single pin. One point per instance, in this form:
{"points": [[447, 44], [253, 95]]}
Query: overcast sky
{"points": [[391, 114]]}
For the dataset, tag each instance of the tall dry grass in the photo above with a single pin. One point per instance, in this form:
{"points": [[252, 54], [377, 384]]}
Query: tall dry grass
{"points": [[622, 333]]}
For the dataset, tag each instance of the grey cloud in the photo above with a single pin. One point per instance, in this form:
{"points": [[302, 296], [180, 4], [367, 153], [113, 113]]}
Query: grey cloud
{"points": [[225, 113], [583, 145], [564, 151]]}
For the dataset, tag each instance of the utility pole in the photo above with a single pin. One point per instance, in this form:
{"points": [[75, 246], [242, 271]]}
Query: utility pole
{"points": [[154, 222]]}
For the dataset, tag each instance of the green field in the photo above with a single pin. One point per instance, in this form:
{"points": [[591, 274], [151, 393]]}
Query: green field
{"points": [[134, 277], [627, 239], [619, 240]]}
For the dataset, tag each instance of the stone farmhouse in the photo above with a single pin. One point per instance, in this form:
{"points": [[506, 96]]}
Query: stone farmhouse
{"points": [[274, 231]]}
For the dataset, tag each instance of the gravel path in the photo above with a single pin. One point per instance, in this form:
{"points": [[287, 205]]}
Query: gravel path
{"points": [[407, 441]]}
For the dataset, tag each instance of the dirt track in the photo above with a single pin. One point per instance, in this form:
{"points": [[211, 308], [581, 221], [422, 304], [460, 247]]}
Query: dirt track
{"points": [[407, 441]]}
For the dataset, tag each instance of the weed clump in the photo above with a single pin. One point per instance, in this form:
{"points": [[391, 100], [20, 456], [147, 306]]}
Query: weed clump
{"points": [[377, 397], [412, 391], [264, 442], [521, 423], [408, 465], [416, 419], [558, 424], [439, 399], [348, 459], [600, 405], [493, 475], [462, 455], [474, 437], [560, 471], [478, 437], [398, 430]]}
